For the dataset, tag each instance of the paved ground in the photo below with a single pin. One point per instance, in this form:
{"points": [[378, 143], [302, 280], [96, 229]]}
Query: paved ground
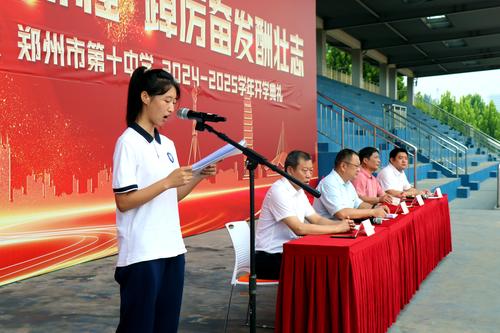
{"points": [[461, 295]]}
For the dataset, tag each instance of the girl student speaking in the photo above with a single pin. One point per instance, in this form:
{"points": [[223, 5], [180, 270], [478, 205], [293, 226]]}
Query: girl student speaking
{"points": [[148, 183]]}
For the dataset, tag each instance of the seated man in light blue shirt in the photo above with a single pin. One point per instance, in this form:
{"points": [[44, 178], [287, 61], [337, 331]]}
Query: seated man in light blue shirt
{"points": [[339, 199]]}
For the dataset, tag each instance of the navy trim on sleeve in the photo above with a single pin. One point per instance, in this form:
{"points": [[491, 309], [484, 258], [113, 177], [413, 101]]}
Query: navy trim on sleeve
{"points": [[125, 189]]}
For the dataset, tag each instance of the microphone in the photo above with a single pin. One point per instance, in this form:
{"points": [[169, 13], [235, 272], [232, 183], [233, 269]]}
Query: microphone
{"points": [[377, 220], [185, 113]]}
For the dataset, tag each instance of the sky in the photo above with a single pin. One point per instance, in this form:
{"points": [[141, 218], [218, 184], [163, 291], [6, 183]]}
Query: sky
{"points": [[486, 84]]}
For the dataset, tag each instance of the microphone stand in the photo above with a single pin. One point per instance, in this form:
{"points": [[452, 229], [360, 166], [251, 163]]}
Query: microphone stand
{"points": [[253, 160]]}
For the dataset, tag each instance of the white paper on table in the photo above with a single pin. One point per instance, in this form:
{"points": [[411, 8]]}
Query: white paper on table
{"points": [[420, 200], [395, 201], [220, 154], [404, 207], [368, 226], [391, 216], [438, 192]]}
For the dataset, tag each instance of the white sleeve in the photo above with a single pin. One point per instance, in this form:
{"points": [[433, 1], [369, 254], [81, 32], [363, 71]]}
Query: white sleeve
{"points": [[406, 185], [281, 206], [309, 210], [384, 180], [124, 168], [331, 198], [357, 201]]}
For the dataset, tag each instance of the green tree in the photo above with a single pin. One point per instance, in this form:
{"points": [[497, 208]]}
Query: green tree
{"points": [[341, 61], [338, 60], [471, 108], [446, 103], [402, 89], [371, 73], [491, 122]]}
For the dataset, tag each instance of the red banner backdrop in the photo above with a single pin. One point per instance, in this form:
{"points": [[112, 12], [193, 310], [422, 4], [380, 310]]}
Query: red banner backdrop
{"points": [[64, 69]]}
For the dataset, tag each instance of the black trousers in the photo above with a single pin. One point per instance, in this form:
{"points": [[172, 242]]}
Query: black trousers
{"points": [[151, 295], [268, 265]]}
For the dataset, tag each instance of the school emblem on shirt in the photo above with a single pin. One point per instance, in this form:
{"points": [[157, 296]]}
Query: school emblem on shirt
{"points": [[170, 157]]}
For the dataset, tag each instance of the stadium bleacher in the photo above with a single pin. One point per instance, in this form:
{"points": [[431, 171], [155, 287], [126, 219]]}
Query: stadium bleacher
{"points": [[481, 164]]}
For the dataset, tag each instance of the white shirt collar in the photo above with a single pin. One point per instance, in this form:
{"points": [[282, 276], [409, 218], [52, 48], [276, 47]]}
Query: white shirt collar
{"points": [[395, 170], [339, 178], [289, 187]]}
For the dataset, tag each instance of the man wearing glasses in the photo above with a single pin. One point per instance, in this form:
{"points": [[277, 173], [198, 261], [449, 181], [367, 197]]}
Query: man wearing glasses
{"points": [[339, 199]]}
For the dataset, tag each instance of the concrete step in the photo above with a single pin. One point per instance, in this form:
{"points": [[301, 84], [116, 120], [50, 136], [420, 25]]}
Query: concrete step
{"points": [[463, 192], [484, 199], [474, 185], [433, 174], [449, 185], [323, 146], [478, 173]]}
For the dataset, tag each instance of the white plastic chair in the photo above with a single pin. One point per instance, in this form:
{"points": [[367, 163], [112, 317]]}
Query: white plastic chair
{"points": [[240, 236]]}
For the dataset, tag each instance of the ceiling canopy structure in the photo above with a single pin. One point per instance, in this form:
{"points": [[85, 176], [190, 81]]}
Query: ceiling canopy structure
{"points": [[428, 37]]}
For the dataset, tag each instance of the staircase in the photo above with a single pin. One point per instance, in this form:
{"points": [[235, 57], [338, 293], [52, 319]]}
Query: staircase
{"points": [[445, 153], [458, 130], [339, 128], [456, 160]]}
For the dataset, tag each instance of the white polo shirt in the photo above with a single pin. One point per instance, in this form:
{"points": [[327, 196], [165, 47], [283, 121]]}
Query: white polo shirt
{"points": [[152, 230], [391, 178], [282, 200], [336, 194]]}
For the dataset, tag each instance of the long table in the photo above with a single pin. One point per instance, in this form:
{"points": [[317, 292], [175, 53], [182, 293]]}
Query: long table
{"points": [[360, 285]]}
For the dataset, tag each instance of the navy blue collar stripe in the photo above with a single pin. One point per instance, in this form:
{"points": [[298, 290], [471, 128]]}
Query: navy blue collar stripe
{"points": [[145, 134]]}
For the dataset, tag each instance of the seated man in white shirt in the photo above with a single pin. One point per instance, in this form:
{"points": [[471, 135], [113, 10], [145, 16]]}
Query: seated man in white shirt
{"points": [[393, 179], [339, 199], [283, 217]]}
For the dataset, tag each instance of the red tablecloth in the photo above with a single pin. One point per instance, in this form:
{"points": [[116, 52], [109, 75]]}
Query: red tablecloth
{"points": [[360, 285]]}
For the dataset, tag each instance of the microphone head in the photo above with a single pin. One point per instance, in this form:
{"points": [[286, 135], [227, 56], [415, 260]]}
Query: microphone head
{"points": [[182, 113]]}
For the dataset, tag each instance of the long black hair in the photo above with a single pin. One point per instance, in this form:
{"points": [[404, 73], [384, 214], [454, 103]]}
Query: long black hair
{"points": [[154, 82]]}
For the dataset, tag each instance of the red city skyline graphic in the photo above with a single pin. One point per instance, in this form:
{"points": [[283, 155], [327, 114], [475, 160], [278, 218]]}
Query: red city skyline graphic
{"points": [[39, 187], [63, 92], [84, 221]]}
